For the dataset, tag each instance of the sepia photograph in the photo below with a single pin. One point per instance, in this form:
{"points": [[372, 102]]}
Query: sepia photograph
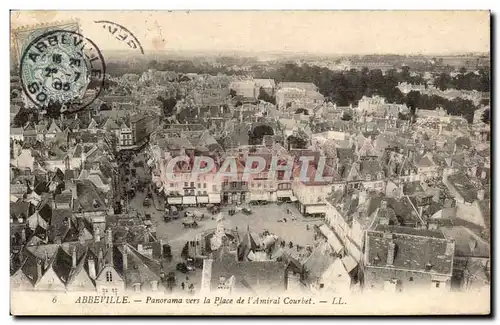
{"points": [[289, 162]]}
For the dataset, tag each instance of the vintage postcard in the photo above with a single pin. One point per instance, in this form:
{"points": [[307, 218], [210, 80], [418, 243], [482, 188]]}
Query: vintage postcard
{"points": [[250, 163]]}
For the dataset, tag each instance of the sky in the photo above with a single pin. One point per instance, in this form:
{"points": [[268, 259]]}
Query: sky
{"points": [[314, 32]]}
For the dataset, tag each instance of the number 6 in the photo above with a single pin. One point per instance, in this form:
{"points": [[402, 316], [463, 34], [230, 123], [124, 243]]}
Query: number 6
{"points": [[54, 300]]}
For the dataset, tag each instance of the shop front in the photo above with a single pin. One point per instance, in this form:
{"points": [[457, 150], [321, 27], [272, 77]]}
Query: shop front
{"points": [[189, 200], [202, 199], [214, 198], [315, 210], [174, 200]]}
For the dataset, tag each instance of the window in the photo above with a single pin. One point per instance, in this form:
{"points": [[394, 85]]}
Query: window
{"points": [[214, 188], [437, 284], [186, 184], [192, 184], [154, 285], [114, 291], [109, 276], [171, 184], [137, 287], [411, 279], [204, 185], [321, 285], [104, 291], [198, 185]]}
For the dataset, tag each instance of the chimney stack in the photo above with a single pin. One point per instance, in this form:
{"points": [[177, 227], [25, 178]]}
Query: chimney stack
{"points": [[125, 259], [100, 259], [362, 197], [391, 250], [97, 234], [109, 238], [480, 195], [39, 269], [74, 258], [92, 272], [46, 262]]}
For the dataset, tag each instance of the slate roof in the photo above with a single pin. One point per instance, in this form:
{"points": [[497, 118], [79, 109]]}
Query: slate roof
{"points": [[415, 249], [268, 276]]}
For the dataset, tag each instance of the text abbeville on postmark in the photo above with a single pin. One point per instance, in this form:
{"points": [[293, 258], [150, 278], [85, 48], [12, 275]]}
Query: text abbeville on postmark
{"points": [[62, 67]]}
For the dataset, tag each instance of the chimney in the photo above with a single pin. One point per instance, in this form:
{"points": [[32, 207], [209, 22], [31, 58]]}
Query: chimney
{"points": [[73, 265], [125, 259], [72, 187], [480, 195], [100, 259], [39, 269], [109, 238], [362, 197], [391, 251], [97, 234], [23, 236], [46, 261], [92, 272], [472, 245]]}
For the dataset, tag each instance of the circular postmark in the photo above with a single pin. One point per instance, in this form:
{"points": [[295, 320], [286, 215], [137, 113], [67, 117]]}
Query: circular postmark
{"points": [[62, 67]]}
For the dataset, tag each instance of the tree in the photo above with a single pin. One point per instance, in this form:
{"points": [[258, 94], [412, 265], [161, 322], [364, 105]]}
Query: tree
{"points": [[185, 251], [168, 105], [346, 116], [296, 142], [258, 133], [263, 95], [167, 252], [232, 93], [302, 111]]}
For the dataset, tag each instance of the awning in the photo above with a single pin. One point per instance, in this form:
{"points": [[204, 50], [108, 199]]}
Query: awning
{"points": [[293, 198], [214, 198], [284, 193], [202, 199], [259, 196], [331, 238], [313, 209], [189, 200], [174, 200]]}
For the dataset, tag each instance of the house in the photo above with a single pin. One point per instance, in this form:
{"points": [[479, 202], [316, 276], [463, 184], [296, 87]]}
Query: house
{"points": [[426, 167], [405, 259], [367, 174], [223, 274], [471, 264], [324, 271], [17, 134]]}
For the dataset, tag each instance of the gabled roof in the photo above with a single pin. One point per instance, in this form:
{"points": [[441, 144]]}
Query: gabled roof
{"points": [[415, 250]]}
